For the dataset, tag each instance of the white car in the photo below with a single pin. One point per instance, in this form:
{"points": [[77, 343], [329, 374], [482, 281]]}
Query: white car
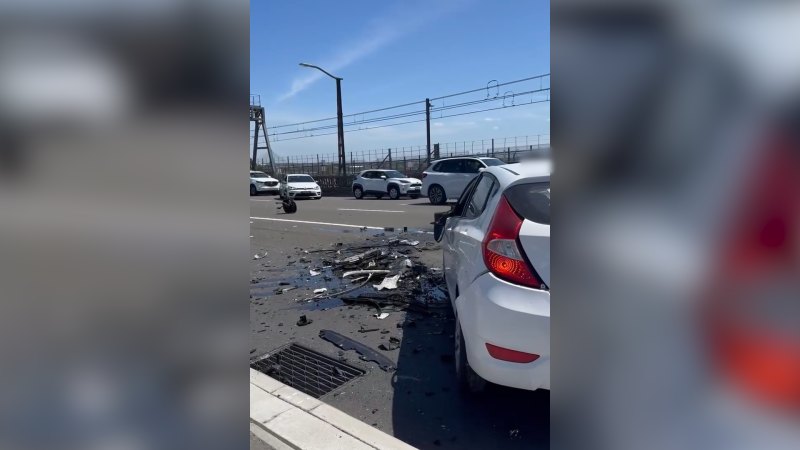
{"points": [[446, 178], [260, 182], [496, 245], [300, 185], [382, 182]]}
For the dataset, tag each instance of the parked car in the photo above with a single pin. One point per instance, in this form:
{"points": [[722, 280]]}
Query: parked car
{"points": [[301, 185], [446, 178], [385, 182], [496, 251], [260, 183]]}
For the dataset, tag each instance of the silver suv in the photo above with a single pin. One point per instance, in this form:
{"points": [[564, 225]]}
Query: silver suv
{"points": [[446, 178]]}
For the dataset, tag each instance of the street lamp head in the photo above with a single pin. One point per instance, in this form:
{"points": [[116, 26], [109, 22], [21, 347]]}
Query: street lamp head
{"points": [[321, 70]]}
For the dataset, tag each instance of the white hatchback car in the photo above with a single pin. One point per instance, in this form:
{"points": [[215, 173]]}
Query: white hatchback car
{"points": [[261, 183], [300, 185], [496, 245], [446, 178]]}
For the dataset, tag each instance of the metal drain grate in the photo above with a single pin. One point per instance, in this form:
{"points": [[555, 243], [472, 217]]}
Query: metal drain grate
{"points": [[306, 370]]}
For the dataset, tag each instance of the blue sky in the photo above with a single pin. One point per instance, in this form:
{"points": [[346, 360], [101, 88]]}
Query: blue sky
{"points": [[393, 52]]}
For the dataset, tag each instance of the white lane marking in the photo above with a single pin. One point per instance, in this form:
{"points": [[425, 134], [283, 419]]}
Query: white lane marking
{"points": [[316, 223], [368, 210]]}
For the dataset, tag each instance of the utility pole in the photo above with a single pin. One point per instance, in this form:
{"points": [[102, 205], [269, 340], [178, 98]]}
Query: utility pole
{"points": [[340, 123], [339, 117], [428, 127]]}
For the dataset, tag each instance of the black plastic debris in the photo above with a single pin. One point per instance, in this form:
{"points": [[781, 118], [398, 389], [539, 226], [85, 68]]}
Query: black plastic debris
{"points": [[366, 352], [303, 321], [364, 329]]}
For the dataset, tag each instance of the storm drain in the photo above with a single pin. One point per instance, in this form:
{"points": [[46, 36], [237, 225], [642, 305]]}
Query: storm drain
{"points": [[306, 370]]}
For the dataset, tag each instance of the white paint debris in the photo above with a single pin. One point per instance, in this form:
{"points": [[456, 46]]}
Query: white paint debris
{"points": [[408, 263], [362, 272], [388, 283], [314, 272], [407, 242], [381, 316], [371, 264], [320, 290]]}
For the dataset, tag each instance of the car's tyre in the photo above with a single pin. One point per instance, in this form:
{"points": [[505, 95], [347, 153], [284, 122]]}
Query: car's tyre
{"points": [[468, 380], [358, 192], [394, 192], [436, 195], [414, 197], [253, 190]]}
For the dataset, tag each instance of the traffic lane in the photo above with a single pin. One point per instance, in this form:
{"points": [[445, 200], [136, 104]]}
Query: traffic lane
{"points": [[417, 213]]}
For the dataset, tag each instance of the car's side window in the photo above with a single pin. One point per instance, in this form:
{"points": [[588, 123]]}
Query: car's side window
{"points": [[480, 196], [445, 166], [461, 204], [472, 166]]}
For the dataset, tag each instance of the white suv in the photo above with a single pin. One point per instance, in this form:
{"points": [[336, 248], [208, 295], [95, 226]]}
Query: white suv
{"points": [[446, 178], [382, 182], [260, 182], [496, 250]]}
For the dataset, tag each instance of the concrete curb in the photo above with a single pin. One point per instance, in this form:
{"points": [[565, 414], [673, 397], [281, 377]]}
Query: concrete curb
{"points": [[286, 418]]}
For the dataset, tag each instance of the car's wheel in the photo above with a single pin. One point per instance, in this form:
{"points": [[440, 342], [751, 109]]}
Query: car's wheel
{"points": [[358, 192], [253, 190], [468, 380], [394, 193], [414, 197], [436, 195]]}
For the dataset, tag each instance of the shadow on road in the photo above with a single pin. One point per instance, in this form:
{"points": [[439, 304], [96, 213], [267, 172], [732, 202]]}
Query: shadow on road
{"points": [[429, 411]]}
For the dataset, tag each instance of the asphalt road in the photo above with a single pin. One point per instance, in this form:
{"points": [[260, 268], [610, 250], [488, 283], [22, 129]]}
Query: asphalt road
{"points": [[340, 211], [419, 403]]}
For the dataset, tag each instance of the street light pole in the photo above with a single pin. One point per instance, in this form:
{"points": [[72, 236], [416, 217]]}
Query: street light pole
{"points": [[339, 116]]}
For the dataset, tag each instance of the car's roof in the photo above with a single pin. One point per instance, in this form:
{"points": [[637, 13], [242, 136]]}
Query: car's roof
{"points": [[529, 170], [298, 174], [461, 157]]}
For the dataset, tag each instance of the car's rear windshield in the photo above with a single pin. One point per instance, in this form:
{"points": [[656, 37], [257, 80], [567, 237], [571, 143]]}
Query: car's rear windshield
{"points": [[259, 175], [300, 179], [531, 201], [492, 162]]}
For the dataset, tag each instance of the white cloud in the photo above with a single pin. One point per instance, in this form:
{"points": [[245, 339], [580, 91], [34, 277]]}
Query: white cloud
{"points": [[491, 119], [382, 31], [495, 128]]}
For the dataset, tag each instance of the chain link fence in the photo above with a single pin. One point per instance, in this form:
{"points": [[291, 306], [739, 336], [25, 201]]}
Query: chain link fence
{"points": [[410, 160]]}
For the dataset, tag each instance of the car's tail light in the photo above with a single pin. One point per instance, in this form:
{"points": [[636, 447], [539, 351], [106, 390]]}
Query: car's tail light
{"points": [[502, 253], [754, 333]]}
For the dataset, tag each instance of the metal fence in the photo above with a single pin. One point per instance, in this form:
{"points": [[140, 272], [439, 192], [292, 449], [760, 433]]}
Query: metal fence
{"points": [[410, 160]]}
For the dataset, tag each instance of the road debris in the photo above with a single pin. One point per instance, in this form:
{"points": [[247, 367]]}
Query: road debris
{"points": [[320, 290], [388, 283], [314, 272], [303, 321], [366, 352], [381, 316]]}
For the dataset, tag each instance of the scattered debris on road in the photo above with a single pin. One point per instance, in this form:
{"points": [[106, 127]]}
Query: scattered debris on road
{"points": [[381, 316], [303, 321], [367, 353]]}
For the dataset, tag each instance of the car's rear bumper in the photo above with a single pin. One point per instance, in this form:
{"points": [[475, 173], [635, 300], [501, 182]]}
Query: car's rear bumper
{"points": [[513, 317]]}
